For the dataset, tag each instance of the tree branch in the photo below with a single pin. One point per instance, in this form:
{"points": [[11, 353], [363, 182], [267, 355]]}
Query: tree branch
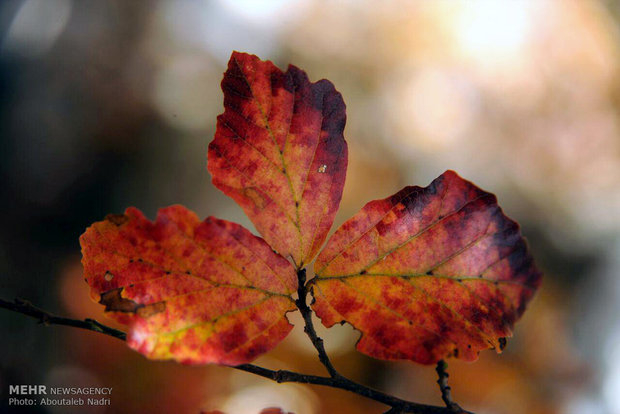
{"points": [[336, 381]]}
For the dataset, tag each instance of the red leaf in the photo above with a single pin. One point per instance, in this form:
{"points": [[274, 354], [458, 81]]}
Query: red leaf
{"points": [[427, 273], [196, 292], [280, 154]]}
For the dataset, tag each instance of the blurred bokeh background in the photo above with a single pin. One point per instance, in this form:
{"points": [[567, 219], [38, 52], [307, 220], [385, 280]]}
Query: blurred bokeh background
{"points": [[109, 104]]}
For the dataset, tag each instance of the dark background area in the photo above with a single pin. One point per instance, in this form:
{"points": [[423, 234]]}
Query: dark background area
{"points": [[110, 104]]}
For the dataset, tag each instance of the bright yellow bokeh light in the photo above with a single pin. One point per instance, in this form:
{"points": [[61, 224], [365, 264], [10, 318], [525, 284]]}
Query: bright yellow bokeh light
{"points": [[492, 30]]}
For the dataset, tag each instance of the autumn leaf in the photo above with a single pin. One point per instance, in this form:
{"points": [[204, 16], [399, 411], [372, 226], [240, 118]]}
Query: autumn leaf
{"points": [[280, 154], [196, 292], [427, 273]]}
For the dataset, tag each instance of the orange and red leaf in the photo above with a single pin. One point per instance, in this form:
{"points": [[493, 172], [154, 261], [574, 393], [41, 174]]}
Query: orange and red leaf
{"points": [[196, 292], [427, 273], [279, 152]]}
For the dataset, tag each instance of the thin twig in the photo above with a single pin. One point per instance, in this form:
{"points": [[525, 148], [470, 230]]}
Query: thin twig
{"points": [[27, 308], [397, 405], [446, 394]]}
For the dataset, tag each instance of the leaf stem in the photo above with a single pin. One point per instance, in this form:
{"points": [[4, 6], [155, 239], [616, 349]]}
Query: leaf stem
{"points": [[446, 394], [306, 313], [335, 381]]}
